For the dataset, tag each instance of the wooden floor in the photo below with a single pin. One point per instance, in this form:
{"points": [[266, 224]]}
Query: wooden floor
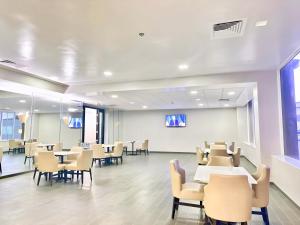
{"points": [[135, 193]]}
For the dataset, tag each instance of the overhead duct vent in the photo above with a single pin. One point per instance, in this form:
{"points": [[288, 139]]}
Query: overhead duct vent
{"points": [[224, 99], [7, 61], [229, 29]]}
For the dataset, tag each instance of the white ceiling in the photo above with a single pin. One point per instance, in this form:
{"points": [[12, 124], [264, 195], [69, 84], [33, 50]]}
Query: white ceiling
{"points": [[75, 42]]}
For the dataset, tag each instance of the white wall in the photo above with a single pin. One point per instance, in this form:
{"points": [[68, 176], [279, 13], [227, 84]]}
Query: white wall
{"points": [[202, 124]]}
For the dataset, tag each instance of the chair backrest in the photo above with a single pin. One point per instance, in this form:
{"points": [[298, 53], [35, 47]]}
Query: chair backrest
{"points": [[118, 150], [1, 153], [84, 160], [177, 177], [228, 198], [218, 152], [12, 144], [30, 148], [36, 153], [47, 162], [200, 156], [220, 161], [58, 147], [145, 145], [75, 149], [218, 147], [231, 147], [206, 145], [236, 157], [98, 151], [261, 189], [220, 143]]}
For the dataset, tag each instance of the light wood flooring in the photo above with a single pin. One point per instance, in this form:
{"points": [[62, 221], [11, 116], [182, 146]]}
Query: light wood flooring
{"points": [[135, 193]]}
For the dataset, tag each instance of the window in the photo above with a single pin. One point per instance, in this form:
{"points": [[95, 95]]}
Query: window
{"points": [[290, 97], [251, 122], [10, 126]]}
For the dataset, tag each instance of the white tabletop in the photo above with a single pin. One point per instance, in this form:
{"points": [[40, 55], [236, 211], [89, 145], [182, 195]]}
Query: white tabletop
{"points": [[207, 150], [203, 172], [45, 145], [108, 145], [64, 153]]}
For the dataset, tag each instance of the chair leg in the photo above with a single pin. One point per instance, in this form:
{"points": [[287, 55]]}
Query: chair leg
{"points": [[90, 171], [0, 168], [50, 178], [25, 159], [121, 159], [93, 162], [265, 215], [99, 161], [35, 170], [82, 177], [174, 207], [77, 175], [39, 178]]}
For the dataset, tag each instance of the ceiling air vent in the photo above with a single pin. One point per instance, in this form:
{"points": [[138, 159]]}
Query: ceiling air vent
{"points": [[224, 99], [228, 29]]}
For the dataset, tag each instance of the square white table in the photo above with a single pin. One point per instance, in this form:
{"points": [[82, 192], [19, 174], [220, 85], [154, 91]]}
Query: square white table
{"points": [[207, 151], [203, 172]]}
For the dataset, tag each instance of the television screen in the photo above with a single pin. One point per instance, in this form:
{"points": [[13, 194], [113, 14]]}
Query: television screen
{"points": [[75, 122], [176, 120]]}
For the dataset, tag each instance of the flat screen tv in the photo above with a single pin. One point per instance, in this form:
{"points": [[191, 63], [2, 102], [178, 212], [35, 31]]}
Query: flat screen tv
{"points": [[176, 120], [75, 122]]}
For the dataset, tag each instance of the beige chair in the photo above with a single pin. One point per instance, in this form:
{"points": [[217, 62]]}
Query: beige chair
{"points": [[218, 147], [218, 152], [261, 192], [58, 147], [206, 145], [47, 165], [236, 157], [232, 146], [183, 190], [118, 153], [13, 146], [220, 161], [81, 165], [144, 148], [35, 159], [73, 158], [99, 154], [201, 159], [228, 198], [220, 143], [1, 155], [30, 151]]}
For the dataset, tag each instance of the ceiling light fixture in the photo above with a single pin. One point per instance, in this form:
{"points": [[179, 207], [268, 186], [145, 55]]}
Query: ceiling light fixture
{"points": [[231, 93], [7, 108], [261, 23], [54, 106], [183, 66], [36, 110], [144, 107], [193, 92], [226, 105], [131, 103], [197, 99], [72, 109], [114, 96], [22, 101], [107, 73], [201, 104]]}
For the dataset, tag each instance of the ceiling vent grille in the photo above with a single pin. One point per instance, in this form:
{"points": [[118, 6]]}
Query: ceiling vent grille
{"points": [[228, 29], [7, 61], [224, 99]]}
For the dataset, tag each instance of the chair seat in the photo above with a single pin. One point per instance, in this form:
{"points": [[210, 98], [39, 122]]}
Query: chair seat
{"points": [[59, 168], [115, 155], [67, 161], [104, 157], [71, 166], [192, 191]]}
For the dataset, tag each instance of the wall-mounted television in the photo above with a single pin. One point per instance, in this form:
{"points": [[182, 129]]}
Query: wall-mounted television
{"points": [[75, 122], [176, 120]]}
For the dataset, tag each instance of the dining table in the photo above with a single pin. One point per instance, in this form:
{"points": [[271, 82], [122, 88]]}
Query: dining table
{"points": [[132, 152], [108, 147], [207, 151], [47, 145], [62, 154], [203, 173]]}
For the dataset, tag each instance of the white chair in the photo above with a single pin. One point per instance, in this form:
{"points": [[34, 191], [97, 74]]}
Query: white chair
{"points": [[144, 148], [73, 158], [35, 161], [118, 153], [47, 165], [99, 154], [30, 150], [82, 164], [58, 147], [201, 159], [220, 161], [236, 157]]}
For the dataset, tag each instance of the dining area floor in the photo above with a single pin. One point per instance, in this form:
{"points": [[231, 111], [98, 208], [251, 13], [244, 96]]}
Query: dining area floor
{"points": [[136, 193]]}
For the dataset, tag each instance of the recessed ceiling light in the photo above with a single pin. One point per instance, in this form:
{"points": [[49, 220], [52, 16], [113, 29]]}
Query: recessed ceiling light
{"points": [[36, 110], [200, 104], [7, 108], [72, 109], [231, 93], [261, 23], [91, 94], [226, 105], [22, 101], [54, 106], [193, 92], [114, 96], [144, 107], [131, 103], [107, 73], [183, 66], [197, 99]]}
